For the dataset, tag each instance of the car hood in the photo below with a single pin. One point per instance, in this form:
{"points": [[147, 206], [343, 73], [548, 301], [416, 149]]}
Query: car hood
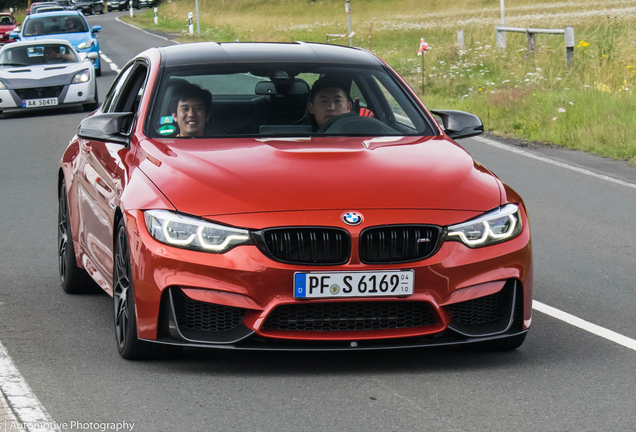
{"points": [[40, 75], [230, 176], [73, 38]]}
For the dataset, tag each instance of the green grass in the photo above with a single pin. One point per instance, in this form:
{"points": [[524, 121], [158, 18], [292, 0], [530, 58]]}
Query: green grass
{"points": [[515, 93]]}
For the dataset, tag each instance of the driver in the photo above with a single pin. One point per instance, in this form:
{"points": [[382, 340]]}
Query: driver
{"points": [[329, 97], [52, 55], [70, 25], [191, 107]]}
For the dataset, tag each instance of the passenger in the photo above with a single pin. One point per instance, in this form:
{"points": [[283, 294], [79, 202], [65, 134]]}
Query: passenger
{"points": [[37, 28], [329, 97], [191, 108]]}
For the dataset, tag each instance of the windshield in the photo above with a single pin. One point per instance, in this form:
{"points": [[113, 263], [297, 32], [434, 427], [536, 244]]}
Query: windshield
{"points": [[283, 100], [31, 55], [54, 25]]}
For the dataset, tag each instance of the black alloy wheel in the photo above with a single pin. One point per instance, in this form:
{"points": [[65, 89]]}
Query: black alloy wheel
{"points": [[128, 344], [74, 280], [91, 11]]}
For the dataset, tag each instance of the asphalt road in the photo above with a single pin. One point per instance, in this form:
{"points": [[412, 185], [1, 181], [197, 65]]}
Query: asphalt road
{"points": [[562, 379]]}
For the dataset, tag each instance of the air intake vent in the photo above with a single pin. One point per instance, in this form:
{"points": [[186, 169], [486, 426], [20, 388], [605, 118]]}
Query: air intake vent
{"points": [[196, 315], [348, 316], [398, 244], [313, 245], [39, 93]]}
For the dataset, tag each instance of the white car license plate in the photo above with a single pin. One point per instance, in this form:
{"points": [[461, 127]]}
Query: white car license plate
{"points": [[37, 103], [353, 284]]}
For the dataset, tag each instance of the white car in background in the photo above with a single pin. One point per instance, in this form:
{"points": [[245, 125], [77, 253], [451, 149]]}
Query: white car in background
{"points": [[46, 73]]}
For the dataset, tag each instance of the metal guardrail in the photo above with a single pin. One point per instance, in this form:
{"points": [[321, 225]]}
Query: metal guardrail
{"points": [[567, 32]]}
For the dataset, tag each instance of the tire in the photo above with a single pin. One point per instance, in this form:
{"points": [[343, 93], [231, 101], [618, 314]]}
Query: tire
{"points": [[98, 71], [91, 11], [74, 280], [128, 344], [103, 11]]}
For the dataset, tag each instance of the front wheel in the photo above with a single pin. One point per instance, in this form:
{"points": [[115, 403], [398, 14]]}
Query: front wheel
{"points": [[98, 71], [128, 344]]}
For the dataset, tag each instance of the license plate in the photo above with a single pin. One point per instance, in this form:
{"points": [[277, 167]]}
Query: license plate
{"points": [[37, 103], [353, 284]]}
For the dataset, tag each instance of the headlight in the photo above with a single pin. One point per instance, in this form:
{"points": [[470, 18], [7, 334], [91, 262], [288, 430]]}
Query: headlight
{"points": [[2, 87], [81, 77], [495, 226], [191, 233], [86, 44]]}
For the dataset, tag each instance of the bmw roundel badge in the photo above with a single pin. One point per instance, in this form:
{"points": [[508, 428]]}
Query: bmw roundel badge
{"points": [[352, 218]]}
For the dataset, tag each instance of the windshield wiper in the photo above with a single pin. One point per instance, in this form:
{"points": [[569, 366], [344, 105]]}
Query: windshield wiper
{"points": [[12, 64]]}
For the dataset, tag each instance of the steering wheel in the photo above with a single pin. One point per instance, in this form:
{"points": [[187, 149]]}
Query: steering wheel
{"points": [[352, 123]]}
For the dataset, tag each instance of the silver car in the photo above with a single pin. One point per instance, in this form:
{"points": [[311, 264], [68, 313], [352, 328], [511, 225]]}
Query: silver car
{"points": [[46, 73]]}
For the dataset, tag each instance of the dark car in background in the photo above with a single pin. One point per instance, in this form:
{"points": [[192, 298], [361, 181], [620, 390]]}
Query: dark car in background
{"points": [[90, 7], [118, 5]]}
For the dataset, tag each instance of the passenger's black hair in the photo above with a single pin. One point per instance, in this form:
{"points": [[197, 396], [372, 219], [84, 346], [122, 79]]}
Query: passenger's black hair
{"points": [[191, 91], [328, 82]]}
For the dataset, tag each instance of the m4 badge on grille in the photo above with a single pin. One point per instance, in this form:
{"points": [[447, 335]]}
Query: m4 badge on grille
{"points": [[352, 218], [424, 240]]}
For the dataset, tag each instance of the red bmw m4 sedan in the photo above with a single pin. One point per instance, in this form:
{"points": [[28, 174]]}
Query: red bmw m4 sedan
{"points": [[288, 197]]}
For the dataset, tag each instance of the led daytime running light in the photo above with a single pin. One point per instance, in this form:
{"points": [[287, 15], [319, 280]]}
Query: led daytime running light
{"points": [[165, 227], [507, 217]]}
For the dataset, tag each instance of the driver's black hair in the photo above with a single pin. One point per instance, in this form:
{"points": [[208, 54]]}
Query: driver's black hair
{"points": [[191, 91], [328, 82]]}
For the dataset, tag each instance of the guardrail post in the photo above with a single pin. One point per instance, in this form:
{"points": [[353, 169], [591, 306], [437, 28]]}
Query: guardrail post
{"points": [[460, 39], [530, 37], [569, 46], [501, 37]]}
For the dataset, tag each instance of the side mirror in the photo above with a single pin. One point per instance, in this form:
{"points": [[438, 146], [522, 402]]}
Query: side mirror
{"points": [[14, 35], [111, 127], [96, 29], [460, 124], [17, 24], [92, 56]]}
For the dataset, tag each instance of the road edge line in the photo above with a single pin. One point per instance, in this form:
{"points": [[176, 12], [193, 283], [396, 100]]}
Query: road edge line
{"points": [[585, 325], [553, 162], [147, 32], [20, 398]]}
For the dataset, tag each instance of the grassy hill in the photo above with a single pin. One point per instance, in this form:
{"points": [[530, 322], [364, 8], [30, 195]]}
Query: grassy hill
{"points": [[590, 107]]}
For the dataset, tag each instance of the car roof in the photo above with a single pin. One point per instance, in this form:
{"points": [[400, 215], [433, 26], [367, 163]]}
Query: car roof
{"points": [[17, 44], [57, 13], [256, 52]]}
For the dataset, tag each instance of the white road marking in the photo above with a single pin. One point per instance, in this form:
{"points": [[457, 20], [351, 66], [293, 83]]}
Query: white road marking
{"points": [[585, 325], [23, 402], [112, 65], [553, 162], [148, 33]]}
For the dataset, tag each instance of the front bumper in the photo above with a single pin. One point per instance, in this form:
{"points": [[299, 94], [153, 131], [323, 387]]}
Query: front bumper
{"points": [[244, 300], [69, 94]]}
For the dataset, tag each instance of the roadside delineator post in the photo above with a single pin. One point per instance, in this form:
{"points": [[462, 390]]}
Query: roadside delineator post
{"points": [[460, 39], [190, 25], [130, 7], [156, 18], [569, 46]]}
